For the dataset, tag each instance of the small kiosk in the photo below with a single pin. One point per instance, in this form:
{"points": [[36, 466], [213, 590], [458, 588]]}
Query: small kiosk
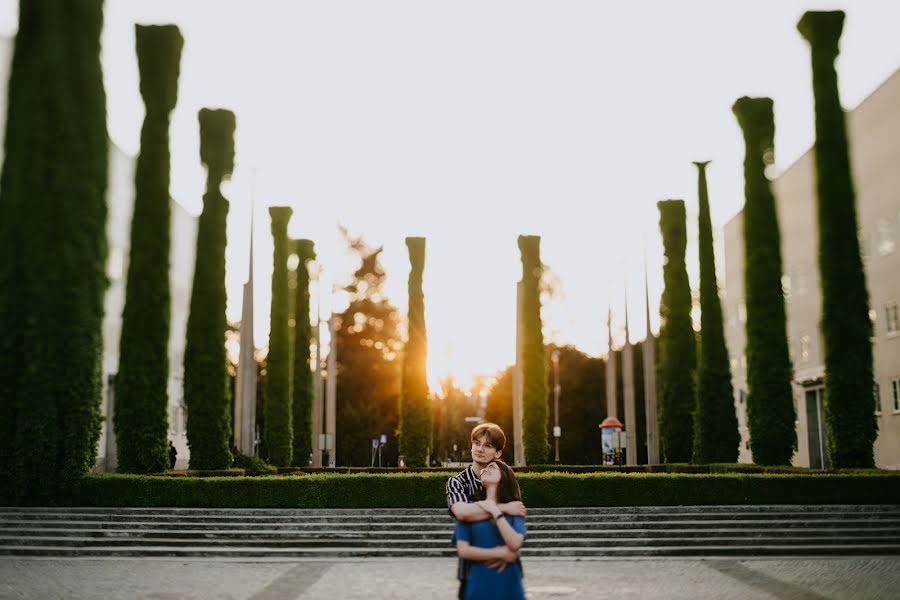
{"points": [[612, 440]]}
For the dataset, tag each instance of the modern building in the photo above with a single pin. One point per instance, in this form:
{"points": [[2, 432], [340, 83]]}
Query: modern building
{"points": [[874, 135], [120, 203]]}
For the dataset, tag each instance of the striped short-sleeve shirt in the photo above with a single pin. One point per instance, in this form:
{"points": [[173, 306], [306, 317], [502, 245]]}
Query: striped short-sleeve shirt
{"points": [[462, 486]]}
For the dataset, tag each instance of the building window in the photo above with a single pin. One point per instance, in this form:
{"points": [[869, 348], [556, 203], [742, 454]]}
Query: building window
{"points": [[802, 284], [895, 394], [891, 317], [876, 392], [885, 243], [804, 348]]}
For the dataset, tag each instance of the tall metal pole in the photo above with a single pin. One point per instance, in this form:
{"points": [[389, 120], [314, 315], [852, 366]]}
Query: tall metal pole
{"points": [[518, 448], [317, 378], [331, 393], [650, 380], [628, 381], [611, 403], [245, 383], [556, 390]]}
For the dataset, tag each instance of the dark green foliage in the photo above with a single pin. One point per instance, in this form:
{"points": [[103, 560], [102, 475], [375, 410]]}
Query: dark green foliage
{"points": [[278, 415], [252, 465], [582, 404], [303, 377], [534, 363], [414, 430], [141, 415], [716, 435], [368, 364], [846, 328], [53, 247], [449, 412], [426, 490], [498, 408], [206, 390], [770, 405], [677, 343]]}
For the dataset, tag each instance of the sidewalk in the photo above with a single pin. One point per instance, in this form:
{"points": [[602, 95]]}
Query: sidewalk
{"points": [[376, 579]]}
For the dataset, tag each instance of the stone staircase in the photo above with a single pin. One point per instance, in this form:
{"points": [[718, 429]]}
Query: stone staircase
{"points": [[292, 534]]}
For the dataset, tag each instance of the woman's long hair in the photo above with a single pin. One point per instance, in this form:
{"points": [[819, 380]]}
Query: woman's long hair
{"points": [[507, 489]]}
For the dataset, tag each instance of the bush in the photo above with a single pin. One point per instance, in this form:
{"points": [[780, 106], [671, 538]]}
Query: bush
{"points": [[253, 465], [539, 490]]}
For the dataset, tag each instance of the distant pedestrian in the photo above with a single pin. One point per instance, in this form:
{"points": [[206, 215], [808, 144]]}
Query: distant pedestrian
{"points": [[173, 453]]}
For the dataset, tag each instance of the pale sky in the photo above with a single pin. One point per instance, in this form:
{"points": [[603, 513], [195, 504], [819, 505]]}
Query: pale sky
{"points": [[470, 123]]}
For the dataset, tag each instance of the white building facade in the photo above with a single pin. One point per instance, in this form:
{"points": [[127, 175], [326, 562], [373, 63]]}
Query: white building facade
{"points": [[874, 138], [120, 205]]}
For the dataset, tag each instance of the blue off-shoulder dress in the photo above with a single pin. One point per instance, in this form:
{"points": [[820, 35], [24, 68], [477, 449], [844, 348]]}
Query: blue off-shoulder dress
{"points": [[482, 581]]}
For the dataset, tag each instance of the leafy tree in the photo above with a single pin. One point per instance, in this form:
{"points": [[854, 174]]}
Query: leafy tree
{"points": [[303, 377], [770, 404], [846, 328], [279, 429], [368, 366], [677, 344], [450, 409], [534, 365], [141, 413], [53, 244], [716, 435], [498, 408], [414, 430], [206, 390]]}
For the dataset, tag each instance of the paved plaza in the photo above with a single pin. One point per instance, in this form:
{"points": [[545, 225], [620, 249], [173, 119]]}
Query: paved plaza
{"points": [[375, 579]]}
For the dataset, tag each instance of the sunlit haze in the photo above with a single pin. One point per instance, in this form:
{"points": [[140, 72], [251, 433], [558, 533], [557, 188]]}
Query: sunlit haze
{"points": [[470, 123]]}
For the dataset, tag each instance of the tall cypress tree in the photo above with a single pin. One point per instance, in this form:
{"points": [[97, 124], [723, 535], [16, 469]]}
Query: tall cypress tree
{"points": [[846, 328], [677, 344], [534, 368], [53, 239], [206, 392], [141, 412], [415, 407], [770, 405], [303, 377], [716, 435], [277, 413]]}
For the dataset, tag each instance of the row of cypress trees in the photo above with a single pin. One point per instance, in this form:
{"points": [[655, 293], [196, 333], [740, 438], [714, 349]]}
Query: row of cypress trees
{"points": [[846, 327], [53, 243]]}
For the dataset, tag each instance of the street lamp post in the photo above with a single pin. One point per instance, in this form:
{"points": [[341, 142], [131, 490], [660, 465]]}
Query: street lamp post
{"points": [[556, 389]]}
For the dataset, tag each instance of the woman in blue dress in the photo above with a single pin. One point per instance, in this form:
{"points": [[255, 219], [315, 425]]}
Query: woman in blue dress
{"points": [[491, 546]]}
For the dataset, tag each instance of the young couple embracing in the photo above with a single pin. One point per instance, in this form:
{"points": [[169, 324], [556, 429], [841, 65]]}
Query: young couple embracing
{"points": [[490, 521]]}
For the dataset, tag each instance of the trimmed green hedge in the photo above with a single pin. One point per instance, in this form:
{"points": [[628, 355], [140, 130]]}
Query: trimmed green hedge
{"points": [[427, 490], [534, 364]]}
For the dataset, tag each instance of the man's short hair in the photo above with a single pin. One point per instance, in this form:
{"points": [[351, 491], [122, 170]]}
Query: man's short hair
{"points": [[492, 432]]}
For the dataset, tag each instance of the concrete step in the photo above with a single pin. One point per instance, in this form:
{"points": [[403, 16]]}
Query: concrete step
{"points": [[445, 523], [442, 534], [89, 542], [602, 532]]}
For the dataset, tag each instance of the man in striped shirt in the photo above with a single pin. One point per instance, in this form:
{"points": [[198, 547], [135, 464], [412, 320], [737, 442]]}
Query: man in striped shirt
{"points": [[488, 441]]}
